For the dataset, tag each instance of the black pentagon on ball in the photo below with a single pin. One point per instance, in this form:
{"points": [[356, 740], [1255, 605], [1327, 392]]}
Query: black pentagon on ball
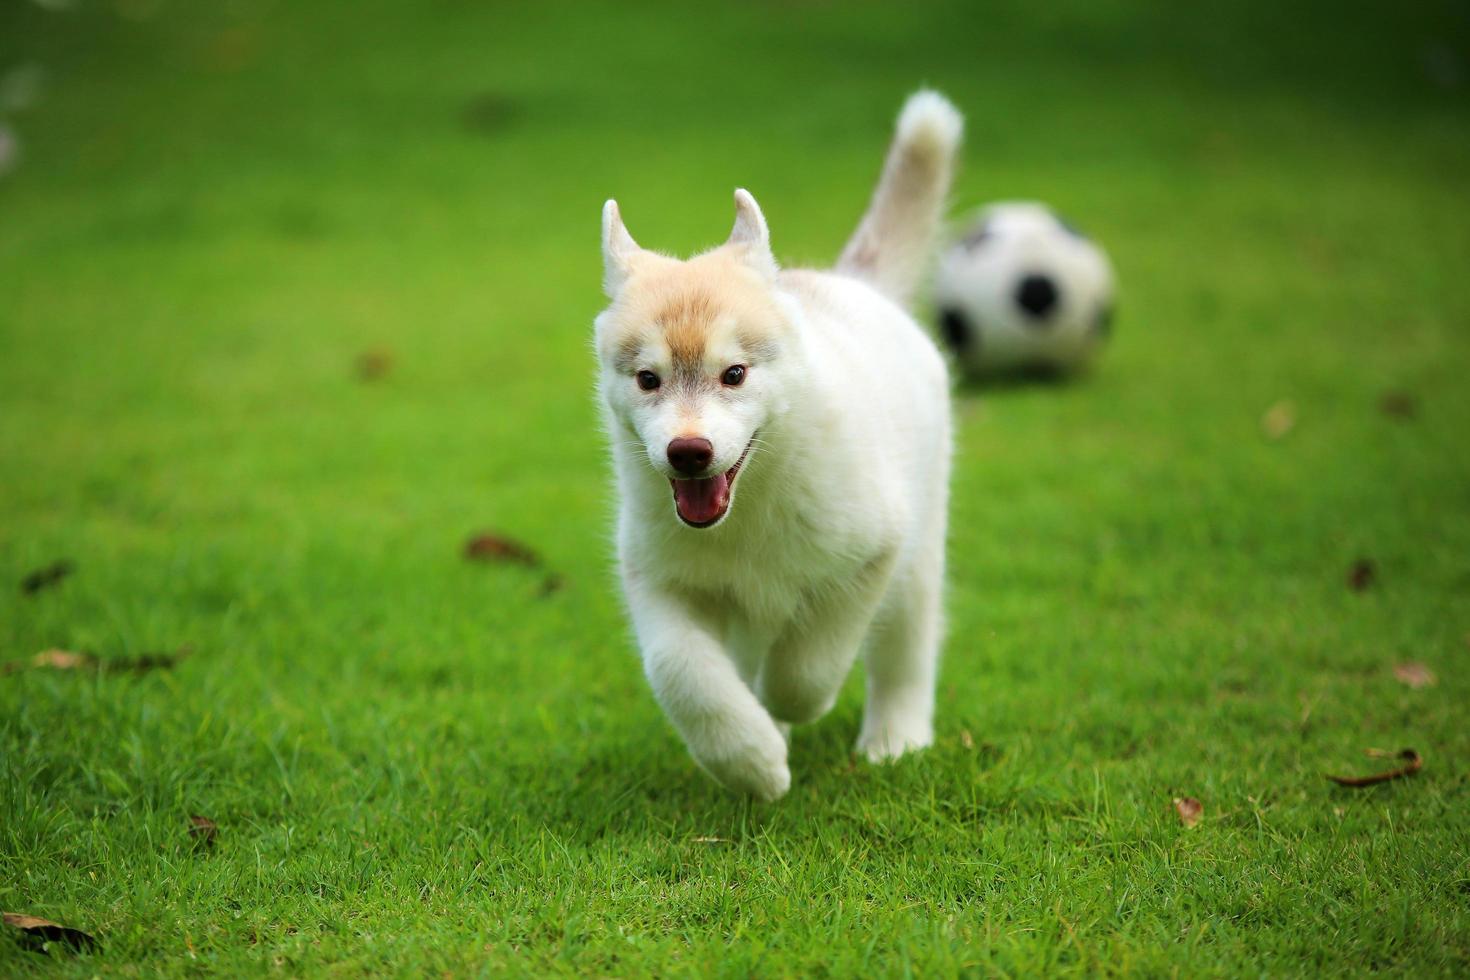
{"points": [[1037, 295], [957, 330]]}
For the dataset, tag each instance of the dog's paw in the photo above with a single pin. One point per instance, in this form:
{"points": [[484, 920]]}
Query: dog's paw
{"points": [[764, 779], [755, 767], [884, 743]]}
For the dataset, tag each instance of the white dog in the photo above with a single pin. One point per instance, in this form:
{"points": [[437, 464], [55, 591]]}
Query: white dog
{"points": [[781, 440]]}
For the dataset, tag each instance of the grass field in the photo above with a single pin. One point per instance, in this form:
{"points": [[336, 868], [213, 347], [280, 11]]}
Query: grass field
{"points": [[422, 764]]}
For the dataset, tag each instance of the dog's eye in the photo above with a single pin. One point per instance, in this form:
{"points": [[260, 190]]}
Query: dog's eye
{"points": [[647, 380], [733, 376]]}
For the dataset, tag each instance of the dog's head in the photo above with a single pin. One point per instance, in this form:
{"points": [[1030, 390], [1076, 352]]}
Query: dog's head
{"points": [[690, 355]]}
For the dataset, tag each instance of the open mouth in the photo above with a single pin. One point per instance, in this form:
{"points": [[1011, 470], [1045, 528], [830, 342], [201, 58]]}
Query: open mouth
{"points": [[703, 502]]}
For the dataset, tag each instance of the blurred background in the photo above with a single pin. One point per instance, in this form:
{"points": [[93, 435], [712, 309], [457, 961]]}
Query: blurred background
{"points": [[296, 297], [211, 210], [294, 293]]}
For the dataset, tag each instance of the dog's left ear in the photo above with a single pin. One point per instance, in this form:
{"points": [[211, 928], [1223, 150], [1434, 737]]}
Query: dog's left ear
{"points": [[751, 235], [619, 251]]}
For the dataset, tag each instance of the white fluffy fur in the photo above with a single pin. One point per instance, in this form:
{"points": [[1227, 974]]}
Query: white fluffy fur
{"points": [[895, 240], [833, 541]]}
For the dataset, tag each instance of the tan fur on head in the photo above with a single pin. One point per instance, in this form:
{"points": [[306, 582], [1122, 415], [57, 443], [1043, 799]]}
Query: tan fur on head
{"points": [[672, 315], [693, 317]]}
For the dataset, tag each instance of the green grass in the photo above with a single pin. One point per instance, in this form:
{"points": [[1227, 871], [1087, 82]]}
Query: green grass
{"points": [[419, 764]]}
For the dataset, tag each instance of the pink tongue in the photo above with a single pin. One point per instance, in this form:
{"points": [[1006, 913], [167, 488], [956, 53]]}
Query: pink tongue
{"points": [[702, 501]]}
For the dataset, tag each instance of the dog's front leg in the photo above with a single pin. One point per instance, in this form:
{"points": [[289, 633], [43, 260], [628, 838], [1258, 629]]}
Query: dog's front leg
{"points": [[728, 732]]}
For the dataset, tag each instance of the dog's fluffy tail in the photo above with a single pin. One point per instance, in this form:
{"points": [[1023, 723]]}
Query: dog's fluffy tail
{"points": [[892, 244]]}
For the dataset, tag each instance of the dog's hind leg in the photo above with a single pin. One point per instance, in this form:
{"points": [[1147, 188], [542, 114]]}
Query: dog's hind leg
{"points": [[903, 661], [804, 670]]}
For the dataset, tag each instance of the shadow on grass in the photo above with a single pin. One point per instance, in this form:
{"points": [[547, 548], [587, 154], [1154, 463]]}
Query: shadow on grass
{"points": [[658, 787], [645, 786]]}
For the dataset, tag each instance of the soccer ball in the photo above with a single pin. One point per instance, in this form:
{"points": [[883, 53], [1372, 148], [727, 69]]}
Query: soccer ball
{"points": [[1023, 291]]}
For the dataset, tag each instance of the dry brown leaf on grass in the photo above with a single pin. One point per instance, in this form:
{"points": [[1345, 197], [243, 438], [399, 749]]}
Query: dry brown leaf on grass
{"points": [[490, 112], [1279, 419], [72, 660], [373, 365], [54, 660], [497, 547], [145, 662], [1415, 675], [1362, 575], [37, 933], [1413, 762], [1398, 404], [204, 830], [1190, 810], [46, 576]]}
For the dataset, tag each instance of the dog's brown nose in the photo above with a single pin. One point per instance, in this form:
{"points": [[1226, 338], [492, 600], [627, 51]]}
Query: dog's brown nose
{"points": [[690, 456]]}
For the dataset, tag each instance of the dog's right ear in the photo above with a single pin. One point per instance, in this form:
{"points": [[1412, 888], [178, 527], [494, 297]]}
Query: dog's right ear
{"points": [[751, 235], [619, 251]]}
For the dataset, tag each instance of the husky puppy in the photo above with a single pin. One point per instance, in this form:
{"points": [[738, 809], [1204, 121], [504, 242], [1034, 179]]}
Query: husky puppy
{"points": [[781, 440]]}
